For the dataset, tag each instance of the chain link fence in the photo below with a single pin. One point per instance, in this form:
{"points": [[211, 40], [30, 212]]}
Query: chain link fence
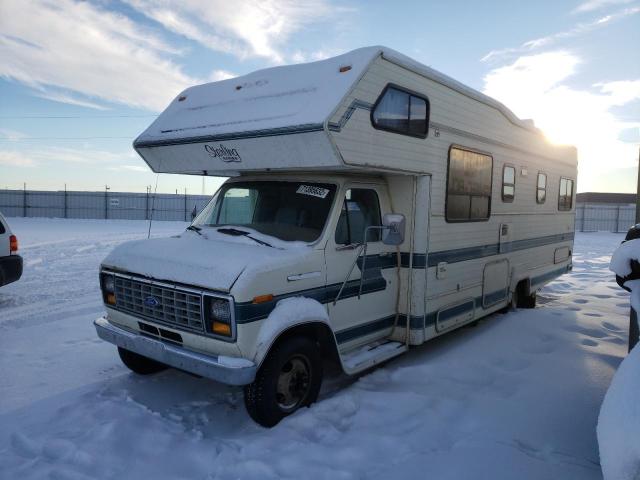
{"points": [[101, 205], [608, 218], [181, 207]]}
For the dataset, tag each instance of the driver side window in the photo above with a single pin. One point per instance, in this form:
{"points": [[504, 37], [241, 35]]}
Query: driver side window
{"points": [[360, 209]]}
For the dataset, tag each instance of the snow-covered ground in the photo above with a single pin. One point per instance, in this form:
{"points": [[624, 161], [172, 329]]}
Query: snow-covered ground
{"points": [[515, 397]]}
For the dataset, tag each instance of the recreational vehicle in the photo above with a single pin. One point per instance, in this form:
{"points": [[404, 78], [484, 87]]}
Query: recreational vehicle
{"points": [[372, 204]]}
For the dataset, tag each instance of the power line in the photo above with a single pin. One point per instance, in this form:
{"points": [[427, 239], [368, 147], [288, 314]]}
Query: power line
{"points": [[21, 139], [72, 116]]}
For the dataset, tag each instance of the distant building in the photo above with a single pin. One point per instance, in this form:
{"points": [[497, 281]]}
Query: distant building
{"points": [[603, 198]]}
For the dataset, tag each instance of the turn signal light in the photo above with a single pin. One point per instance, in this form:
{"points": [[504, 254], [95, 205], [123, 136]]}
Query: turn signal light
{"points": [[263, 298], [221, 328], [111, 299], [13, 244]]}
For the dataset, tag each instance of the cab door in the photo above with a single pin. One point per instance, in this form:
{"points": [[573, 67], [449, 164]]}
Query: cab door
{"points": [[359, 319]]}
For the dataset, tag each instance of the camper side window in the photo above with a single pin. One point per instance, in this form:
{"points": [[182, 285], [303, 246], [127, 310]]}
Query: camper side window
{"points": [[541, 188], [360, 209], [565, 198], [508, 183], [401, 111], [468, 186]]}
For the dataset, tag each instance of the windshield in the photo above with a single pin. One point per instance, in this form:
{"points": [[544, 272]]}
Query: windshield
{"points": [[290, 211]]}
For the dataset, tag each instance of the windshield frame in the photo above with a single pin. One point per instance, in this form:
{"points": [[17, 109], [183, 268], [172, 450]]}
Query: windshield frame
{"points": [[231, 183]]}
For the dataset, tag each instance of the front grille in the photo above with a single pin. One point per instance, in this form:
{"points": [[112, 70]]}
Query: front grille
{"points": [[177, 308]]}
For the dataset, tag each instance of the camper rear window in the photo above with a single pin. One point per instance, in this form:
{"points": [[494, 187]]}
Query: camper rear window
{"points": [[401, 111], [565, 198], [290, 211], [468, 186]]}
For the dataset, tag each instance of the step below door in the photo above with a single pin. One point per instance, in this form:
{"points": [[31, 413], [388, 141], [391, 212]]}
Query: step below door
{"points": [[495, 283]]}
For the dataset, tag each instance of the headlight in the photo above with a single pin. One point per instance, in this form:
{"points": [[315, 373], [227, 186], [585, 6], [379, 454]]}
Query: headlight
{"points": [[108, 284], [219, 319]]}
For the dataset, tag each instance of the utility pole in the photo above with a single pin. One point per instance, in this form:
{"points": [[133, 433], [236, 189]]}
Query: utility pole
{"points": [[638, 191], [106, 202]]}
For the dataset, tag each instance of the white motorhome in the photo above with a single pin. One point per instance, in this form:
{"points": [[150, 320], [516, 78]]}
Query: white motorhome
{"points": [[373, 204]]}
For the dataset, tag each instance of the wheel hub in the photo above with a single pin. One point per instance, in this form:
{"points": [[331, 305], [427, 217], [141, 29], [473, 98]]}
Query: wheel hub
{"points": [[293, 383]]}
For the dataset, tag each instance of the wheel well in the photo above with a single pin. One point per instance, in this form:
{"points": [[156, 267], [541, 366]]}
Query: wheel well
{"points": [[524, 287], [317, 331]]}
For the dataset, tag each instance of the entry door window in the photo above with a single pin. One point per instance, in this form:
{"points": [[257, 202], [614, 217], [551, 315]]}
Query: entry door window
{"points": [[360, 210]]}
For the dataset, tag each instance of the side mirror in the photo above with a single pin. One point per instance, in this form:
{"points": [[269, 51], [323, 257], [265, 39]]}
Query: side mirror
{"points": [[393, 233]]}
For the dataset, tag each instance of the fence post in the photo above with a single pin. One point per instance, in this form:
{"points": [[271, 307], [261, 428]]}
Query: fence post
{"points": [[185, 204], [584, 214], [106, 202], [617, 220], [24, 200], [146, 206], [65, 201]]}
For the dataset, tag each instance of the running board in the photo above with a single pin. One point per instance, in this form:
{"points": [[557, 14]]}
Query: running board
{"points": [[371, 354]]}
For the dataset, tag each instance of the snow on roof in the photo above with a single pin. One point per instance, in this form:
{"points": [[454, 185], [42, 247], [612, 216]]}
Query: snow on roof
{"points": [[279, 97], [282, 97]]}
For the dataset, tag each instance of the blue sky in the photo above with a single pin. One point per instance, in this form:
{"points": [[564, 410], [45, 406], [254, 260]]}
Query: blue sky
{"points": [[80, 80]]}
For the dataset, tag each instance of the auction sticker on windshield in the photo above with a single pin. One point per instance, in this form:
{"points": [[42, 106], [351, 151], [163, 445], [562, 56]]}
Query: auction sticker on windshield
{"points": [[313, 191]]}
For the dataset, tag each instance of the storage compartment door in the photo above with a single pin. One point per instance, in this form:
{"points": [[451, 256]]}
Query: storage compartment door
{"points": [[495, 282]]}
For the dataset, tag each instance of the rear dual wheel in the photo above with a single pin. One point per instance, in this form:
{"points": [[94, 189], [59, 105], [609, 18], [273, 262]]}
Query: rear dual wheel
{"points": [[289, 379]]}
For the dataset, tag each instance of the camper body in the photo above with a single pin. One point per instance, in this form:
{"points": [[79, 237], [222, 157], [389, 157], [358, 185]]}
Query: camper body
{"points": [[372, 204]]}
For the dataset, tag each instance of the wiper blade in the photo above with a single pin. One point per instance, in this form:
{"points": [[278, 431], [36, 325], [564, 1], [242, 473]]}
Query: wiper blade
{"points": [[193, 228], [233, 231], [241, 233]]}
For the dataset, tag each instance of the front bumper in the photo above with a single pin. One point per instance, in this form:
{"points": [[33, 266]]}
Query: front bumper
{"points": [[10, 269], [209, 366]]}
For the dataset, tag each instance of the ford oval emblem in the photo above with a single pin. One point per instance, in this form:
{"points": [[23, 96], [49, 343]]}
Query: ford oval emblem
{"points": [[151, 302]]}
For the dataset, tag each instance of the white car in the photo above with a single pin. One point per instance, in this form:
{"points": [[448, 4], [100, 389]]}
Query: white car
{"points": [[10, 261]]}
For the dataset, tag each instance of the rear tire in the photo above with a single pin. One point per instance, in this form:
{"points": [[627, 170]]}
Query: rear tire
{"points": [[139, 364], [527, 301], [289, 378]]}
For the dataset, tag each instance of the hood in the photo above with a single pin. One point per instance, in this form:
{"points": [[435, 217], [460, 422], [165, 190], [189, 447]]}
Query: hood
{"points": [[192, 259]]}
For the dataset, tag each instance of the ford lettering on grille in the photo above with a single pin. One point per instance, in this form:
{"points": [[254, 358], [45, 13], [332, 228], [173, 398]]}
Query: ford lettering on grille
{"points": [[151, 302]]}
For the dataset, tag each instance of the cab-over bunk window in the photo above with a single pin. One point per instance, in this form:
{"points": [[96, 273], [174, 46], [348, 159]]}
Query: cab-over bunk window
{"points": [[468, 186], [401, 111], [565, 197]]}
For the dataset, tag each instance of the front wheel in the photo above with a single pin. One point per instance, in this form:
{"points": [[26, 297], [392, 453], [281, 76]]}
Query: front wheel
{"points": [[139, 364], [289, 378]]}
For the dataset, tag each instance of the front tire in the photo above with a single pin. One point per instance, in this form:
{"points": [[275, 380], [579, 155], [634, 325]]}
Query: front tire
{"points": [[139, 364], [289, 378]]}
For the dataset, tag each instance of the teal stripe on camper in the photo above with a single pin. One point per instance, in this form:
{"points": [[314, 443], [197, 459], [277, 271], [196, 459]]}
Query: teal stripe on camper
{"points": [[271, 132], [352, 333], [472, 253]]}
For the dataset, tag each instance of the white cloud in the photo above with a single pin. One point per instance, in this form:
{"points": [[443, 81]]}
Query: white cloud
{"points": [[579, 29], [218, 75], [15, 159], [243, 27], [535, 87], [131, 168], [68, 98], [591, 5], [80, 47], [12, 135], [36, 156]]}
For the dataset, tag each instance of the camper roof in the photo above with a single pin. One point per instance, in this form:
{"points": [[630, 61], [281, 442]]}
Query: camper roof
{"points": [[297, 97]]}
